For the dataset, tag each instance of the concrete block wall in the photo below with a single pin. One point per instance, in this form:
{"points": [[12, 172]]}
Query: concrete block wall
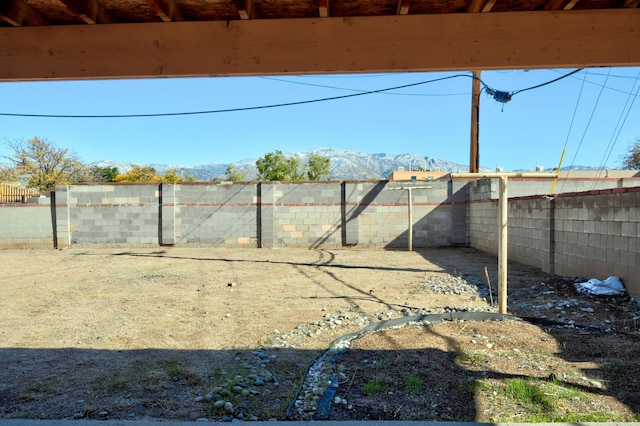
{"points": [[592, 234], [25, 226], [306, 214], [210, 214], [108, 215], [597, 235]]}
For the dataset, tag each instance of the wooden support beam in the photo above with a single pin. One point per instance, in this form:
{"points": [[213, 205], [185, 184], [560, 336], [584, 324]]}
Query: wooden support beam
{"points": [[166, 12], [246, 9], [474, 149], [503, 236], [454, 42], [487, 7], [403, 7], [554, 4], [90, 11], [631, 3], [410, 209], [18, 13], [323, 8], [571, 4]]}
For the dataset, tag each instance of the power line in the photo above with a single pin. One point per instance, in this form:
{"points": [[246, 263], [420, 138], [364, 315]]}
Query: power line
{"points": [[252, 108], [500, 96]]}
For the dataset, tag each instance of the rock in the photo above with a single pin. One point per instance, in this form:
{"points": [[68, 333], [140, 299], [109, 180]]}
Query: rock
{"points": [[228, 408]]}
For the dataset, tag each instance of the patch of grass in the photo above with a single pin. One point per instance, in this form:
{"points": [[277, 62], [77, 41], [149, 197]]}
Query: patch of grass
{"points": [[373, 387], [527, 393], [468, 385], [413, 384], [467, 359]]}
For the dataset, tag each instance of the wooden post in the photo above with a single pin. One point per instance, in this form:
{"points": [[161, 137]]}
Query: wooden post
{"points": [[474, 160], [410, 219], [410, 206], [502, 245]]}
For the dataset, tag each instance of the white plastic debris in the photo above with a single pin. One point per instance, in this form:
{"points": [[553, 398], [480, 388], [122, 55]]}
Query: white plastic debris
{"points": [[612, 286]]}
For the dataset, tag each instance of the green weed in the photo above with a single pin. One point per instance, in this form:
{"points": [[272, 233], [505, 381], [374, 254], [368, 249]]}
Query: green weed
{"points": [[413, 384]]}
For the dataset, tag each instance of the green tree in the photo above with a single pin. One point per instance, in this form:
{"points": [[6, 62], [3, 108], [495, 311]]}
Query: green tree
{"points": [[102, 174], [319, 167], [275, 166], [233, 174], [43, 165], [632, 158]]}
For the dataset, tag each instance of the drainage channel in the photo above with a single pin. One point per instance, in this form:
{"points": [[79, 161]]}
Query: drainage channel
{"points": [[320, 379]]}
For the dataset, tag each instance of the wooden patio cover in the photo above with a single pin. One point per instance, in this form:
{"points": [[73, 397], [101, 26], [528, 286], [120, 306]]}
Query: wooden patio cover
{"points": [[104, 39]]}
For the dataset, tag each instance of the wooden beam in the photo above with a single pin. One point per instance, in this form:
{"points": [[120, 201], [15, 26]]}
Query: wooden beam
{"points": [[90, 11], [571, 4], [246, 9], [18, 13], [487, 7], [554, 4], [169, 12], [323, 8], [460, 41], [475, 6], [474, 147], [631, 3], [403, 7]]}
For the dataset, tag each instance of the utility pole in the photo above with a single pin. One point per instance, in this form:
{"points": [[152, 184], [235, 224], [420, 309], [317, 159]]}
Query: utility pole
{"points": [[474, 161]]}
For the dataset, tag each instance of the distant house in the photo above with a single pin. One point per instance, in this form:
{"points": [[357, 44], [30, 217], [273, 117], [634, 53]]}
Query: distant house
{"points": [[402, 175]]}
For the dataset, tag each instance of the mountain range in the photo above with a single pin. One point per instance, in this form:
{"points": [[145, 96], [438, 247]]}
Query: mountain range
{"points": [[345, 165]]}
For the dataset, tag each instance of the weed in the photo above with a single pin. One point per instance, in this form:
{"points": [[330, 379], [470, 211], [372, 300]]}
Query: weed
{"points": [[413, 384], [373, 387], [528, 394]]}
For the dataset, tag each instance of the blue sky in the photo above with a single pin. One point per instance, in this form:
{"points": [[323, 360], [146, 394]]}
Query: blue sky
{"points": [[595, 113]]}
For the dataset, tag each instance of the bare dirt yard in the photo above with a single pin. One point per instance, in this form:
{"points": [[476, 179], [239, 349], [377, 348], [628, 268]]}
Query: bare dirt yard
{"points": [[227, 335]]}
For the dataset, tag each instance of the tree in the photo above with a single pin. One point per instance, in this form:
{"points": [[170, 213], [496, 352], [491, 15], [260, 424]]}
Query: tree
{"points": [[44, 165], [275, 166], [319, 167], [102, 174], [7, 173], [632, 159], [139, 174], [233, 174]]}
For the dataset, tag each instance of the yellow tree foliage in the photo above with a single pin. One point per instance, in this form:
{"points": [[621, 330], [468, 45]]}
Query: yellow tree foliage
{"points": [[44, 165], [147, 174]]}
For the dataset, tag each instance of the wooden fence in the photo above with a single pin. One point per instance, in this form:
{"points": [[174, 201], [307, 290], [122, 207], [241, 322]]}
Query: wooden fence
{"points": [[12, 193]]}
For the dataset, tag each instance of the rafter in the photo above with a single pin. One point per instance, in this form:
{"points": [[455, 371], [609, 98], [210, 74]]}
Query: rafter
{"points": [[18, 13], [554, 4], [246, 9], [571, 4], [323, 8], [476, 6], [488, 6], [403, 7], [167, 12], [90, 11]]}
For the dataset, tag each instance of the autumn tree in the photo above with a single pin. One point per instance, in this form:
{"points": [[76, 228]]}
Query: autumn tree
{"points": [[632, 159], [139, 173], [43, 165], [148, 174]]}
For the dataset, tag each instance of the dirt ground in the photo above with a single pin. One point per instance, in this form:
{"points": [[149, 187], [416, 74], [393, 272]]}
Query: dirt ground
{"points": [[190, 333]]}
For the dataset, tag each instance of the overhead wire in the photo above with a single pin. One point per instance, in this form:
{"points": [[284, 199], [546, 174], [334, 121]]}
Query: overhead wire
{"points": [[226, 110], [595, 106], [619, 126], [498, 95], [566, 140]]}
